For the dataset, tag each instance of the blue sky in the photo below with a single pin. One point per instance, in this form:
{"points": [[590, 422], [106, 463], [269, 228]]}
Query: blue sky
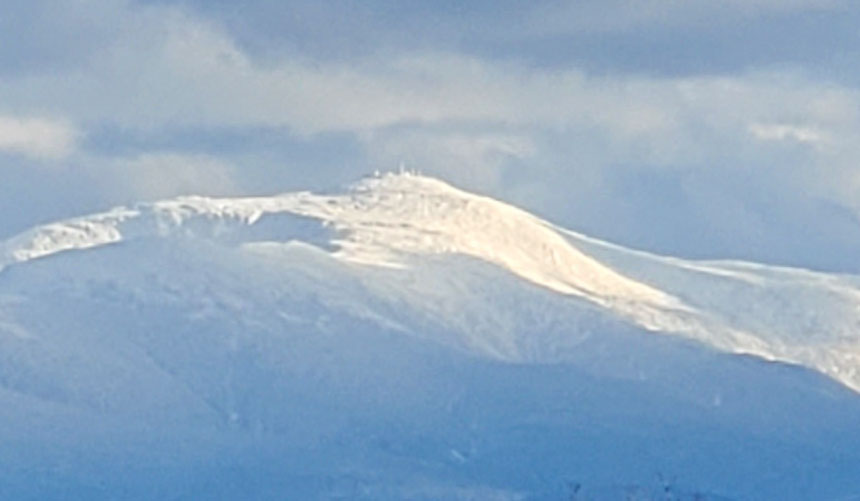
{"points": [[713, 129]]}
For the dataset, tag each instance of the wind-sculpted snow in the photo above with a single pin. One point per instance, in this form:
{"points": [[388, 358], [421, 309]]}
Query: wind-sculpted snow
{"points": [[419, 242], [403, 339]]}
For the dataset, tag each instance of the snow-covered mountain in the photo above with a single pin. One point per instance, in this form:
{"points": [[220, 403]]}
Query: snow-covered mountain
{"points": [[406, 339]]}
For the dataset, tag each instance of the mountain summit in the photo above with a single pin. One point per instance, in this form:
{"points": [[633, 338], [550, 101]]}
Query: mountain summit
{"points": [[403, 233], [404, 339]]}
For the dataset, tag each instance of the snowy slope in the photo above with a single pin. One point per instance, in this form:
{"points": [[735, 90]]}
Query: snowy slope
{"points": [[407, 222], [403, 339]]}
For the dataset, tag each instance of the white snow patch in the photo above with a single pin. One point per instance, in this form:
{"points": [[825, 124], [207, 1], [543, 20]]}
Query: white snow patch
{"points": [[398, 223]]}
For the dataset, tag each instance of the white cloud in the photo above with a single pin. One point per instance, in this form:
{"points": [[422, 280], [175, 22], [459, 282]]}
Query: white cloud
{"points": [[37, 137], [783, 5], [784, 132], [195, 75], [172, 69], [473, 160], [176, 70], [160, 175], [619, 15], [462, 117]]}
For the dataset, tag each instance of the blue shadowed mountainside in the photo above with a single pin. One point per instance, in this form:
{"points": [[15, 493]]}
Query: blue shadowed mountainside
{"points": [[404, 339]]}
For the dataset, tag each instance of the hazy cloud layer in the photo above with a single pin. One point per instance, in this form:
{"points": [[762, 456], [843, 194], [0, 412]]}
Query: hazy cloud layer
{"points": [[621, 15], [158, 99], [35, 137]]}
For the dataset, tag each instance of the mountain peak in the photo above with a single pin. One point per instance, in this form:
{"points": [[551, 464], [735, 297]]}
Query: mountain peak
{"points": [[412, 233], [163, 217]]}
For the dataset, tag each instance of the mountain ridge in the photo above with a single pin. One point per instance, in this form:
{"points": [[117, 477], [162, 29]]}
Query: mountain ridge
{"points": [[403, 339], [394, 222]]}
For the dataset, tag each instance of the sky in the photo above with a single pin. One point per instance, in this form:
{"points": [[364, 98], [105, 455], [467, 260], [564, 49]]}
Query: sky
{"points": [[712, 129]]}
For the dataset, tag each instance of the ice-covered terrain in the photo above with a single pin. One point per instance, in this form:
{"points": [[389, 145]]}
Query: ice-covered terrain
{"points": [[403, 339]]}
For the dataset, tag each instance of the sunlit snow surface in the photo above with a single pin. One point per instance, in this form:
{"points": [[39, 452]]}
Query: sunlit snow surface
{"points": [[404, 339], [403, 221]]}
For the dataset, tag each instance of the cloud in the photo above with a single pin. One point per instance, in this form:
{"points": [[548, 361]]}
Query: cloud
{"points": [[603, 151], [472, 159], [36, 137], [608, 16], [784, 132], [31, 194], [158, 175], [175, 70], [194, 75]]}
